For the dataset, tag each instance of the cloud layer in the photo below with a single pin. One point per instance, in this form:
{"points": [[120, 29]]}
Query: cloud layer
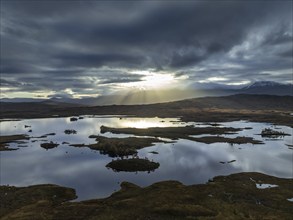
{"points": [[96, 47]]}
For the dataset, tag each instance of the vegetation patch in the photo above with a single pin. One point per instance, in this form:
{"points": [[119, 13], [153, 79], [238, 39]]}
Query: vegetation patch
{"points": [[219, 139], [225, 197], [45, 135], [76, 145], [120, 147], [268, 132], [32, 202], [5, 140], [133, 165], [49, 145], [185, 132], [171, 132], [70, 131]]}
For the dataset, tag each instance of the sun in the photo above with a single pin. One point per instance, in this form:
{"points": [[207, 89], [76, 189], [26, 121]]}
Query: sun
{"points": [[158, 80], [151, 80]]}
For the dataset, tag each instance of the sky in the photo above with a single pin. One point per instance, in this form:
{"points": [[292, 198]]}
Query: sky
{"points": [[92, 48]]}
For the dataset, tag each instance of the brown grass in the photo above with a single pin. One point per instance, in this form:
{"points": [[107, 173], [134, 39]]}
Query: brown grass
{"points": [[225, 197]]}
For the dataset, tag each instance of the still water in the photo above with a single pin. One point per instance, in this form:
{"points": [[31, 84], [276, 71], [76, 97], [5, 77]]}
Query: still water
{"points": [[84, 169]]}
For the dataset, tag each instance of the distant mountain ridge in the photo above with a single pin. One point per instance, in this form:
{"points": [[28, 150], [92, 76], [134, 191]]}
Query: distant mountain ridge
{"points": [[161, 96], [268, 88], [16, 100], [263, 84], [234, 107]]}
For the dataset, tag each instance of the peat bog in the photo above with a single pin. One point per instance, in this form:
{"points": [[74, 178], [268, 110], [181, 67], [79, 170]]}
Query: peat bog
{"points": [[144, 151]]}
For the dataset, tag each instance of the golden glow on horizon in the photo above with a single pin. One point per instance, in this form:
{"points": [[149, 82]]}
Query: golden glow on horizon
{"points": [[244, 82], [152, 80], [213, 79], [23, 94]]}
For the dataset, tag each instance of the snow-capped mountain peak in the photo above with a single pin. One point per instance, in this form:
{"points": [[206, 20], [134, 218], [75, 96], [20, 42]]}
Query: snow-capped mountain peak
{"points": [[262, 84]]}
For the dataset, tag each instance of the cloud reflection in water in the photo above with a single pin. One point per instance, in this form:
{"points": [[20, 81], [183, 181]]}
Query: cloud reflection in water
{"points": [[84, 169]]}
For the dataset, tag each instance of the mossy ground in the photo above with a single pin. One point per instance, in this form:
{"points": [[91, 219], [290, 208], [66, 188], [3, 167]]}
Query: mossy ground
{"points": [[226, 197]]}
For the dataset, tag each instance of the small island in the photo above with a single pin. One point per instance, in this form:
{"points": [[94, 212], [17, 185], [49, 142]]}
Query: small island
{"points": [[5, 140], [173, 133], [268, 132], [133, 165], [120, 147], [49, 145]]}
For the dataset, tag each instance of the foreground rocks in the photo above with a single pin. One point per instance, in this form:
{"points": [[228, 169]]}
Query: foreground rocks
{"points": [[226, 197]]}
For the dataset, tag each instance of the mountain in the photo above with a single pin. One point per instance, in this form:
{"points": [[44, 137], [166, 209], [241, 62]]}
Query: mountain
{"points": [[138, 97], [21, 100], [268, 88], [225, 108], [263, 84], [59, 103], [149, 97], [238, 101]]}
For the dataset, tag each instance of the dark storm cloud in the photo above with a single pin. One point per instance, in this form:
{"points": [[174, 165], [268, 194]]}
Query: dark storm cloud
{"points": [[9, 83], [185, 60], [288, 54], [89, 44], [98, 60], [121, 80], [279, 36]]}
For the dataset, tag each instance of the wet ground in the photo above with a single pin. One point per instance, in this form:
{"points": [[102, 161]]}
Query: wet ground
{"points": [[84, 169]]}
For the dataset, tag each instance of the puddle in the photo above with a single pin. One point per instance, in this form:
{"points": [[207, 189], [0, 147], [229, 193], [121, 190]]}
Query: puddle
{"points": [[265, 186]]}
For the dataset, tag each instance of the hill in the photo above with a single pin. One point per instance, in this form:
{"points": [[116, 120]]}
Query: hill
{"points": [[269, 88], [262, 108]]}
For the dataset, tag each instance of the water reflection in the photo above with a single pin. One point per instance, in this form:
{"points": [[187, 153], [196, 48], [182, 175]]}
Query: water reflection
{"points": [[84, 169]]}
